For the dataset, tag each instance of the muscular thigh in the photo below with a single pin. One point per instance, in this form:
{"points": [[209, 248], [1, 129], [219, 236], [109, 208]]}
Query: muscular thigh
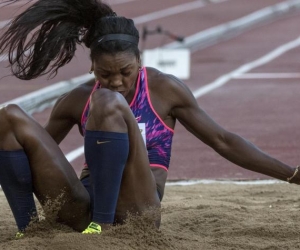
{"points": [[138, 189], [52, 174], [109, 111]]}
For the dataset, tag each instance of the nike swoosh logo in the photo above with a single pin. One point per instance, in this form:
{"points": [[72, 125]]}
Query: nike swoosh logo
{"points": [[101, 142]]}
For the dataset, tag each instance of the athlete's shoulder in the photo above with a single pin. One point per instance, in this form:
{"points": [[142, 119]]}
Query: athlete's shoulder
{"points": [[162, 81], [154, 75]]}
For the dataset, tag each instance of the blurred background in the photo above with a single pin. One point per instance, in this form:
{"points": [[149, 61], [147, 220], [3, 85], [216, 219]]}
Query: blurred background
{"points": [[240, 59]]}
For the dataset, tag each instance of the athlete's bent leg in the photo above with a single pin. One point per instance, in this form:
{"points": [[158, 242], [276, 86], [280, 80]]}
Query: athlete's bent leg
{"points": [[133, 187], [52, 175], [16, 183], [106, 153]]}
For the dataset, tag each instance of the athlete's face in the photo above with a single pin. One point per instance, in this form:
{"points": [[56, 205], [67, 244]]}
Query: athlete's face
{"points": [[117, 72]]}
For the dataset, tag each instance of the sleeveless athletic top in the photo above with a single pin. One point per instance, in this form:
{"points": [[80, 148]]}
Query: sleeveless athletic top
{"points": [[158, 134]]}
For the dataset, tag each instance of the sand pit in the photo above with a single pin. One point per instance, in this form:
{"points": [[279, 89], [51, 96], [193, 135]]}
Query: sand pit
{"points": [[202, 216]]}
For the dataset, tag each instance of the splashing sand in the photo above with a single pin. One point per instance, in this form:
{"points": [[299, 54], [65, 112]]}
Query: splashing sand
{"points": [[202, 216]]}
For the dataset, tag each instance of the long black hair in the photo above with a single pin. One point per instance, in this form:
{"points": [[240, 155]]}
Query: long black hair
{"points": [[43, 38]]}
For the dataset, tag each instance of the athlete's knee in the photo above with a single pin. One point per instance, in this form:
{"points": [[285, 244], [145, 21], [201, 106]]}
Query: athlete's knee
{"points": [[10, 118], [105, 102], [11, 114], [7, 114]]}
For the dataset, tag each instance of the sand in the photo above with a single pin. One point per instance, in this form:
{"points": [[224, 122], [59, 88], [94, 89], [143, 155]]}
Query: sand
{"points": [[202, 216]]}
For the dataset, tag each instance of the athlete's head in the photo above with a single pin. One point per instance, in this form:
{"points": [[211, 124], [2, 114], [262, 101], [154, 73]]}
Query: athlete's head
{"points": [[113, 42], [44, 37]]}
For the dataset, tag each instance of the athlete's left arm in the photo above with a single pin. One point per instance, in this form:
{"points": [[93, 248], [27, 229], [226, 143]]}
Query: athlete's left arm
{"points": [[229, 145]]}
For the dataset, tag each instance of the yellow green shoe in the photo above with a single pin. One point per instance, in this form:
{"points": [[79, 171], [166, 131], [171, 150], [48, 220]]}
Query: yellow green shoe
{"points": [[93, 228], [19, 235]]}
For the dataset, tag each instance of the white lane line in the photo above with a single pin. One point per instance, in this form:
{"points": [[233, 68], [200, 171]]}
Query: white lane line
{"points": [[3, 57], [48, 94], [157, 14], [75, 154], [235, 27], [3, 23], [17, 3], [110, 2], [169, 11], [148, 17], [267, 76], [250, 182], [246, 67], [225, 78]]}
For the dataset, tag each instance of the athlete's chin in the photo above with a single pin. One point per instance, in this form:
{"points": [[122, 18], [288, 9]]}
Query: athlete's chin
{"points": [[123, 93]]}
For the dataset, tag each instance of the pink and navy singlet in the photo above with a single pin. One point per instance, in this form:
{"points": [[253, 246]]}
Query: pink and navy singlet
{"points": [[158, 134]]}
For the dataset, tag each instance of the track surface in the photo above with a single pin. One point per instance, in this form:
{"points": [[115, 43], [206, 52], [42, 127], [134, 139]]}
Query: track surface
{"points": [[260, 107]]}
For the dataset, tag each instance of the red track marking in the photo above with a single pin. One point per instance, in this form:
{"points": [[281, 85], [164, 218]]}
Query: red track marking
{"points": [[80, 65], [238, 106], [263, 111], [186, 24]]}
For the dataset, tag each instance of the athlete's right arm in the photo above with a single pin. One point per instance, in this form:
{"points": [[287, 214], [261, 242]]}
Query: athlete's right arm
{"points": [[67, 111], [60, 121]]}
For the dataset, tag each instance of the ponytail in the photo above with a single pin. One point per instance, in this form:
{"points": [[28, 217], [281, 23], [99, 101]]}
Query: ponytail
{"points": [[44, 37]]}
